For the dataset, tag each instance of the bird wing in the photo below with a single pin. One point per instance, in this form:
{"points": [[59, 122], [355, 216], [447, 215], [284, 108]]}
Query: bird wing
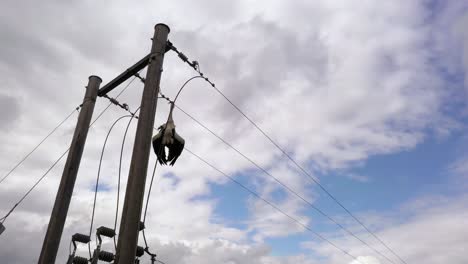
{"points": [[158, 147], [175, 149]]}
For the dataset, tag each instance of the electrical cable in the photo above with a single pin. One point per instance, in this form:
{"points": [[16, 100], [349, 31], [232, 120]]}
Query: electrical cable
{"points": [[156, 163], [149, 191], [98, 176], [3, 219], [195, 65], [266, 172], [181, 88], [120, 173], [120, 93], [310, 204], [154, 171], [147, 202], [274, 206], [153, 174], [311, 177], [40, 143]]}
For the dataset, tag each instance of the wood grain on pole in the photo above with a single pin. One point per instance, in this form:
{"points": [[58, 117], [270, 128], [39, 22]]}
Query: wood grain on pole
{"points": [[70, 172], [131, 214]]}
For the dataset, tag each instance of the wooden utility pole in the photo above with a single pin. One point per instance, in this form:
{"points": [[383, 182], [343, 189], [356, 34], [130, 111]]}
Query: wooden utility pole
{"points": [[131, 214], [67, 183]]}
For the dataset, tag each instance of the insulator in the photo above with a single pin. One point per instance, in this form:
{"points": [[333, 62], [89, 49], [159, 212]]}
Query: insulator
{"points": [[80, 260], [105, 231], [141, 226], [2, 228], [114, 101], [182, 56], [140, 251], [81, 238], [106, 256]]}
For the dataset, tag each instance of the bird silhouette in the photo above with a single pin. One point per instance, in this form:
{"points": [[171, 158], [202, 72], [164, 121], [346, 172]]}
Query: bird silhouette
{"points": [[168, 138]]}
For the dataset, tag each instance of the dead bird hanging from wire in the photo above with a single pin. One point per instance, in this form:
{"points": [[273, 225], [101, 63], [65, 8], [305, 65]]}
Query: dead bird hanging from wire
{"points": [[168, 138]]}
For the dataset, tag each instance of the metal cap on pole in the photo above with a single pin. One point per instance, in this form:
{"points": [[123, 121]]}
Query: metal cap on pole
{"points": [[131, 214], [70, 172]]}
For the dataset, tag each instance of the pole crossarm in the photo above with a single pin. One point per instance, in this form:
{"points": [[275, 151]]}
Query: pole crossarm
{"points": [[132, 71], [141, 64]]}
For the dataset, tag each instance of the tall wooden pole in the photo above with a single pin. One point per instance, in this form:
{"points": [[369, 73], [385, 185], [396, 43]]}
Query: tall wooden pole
{"points": [[65, 191], [131, 214]]}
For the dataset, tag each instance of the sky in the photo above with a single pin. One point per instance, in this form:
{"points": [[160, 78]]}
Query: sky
{"points": [[367, 96]]}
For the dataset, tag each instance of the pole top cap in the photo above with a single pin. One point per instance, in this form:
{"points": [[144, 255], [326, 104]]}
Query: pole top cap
{"points": [[162, 24], [95, 76]]}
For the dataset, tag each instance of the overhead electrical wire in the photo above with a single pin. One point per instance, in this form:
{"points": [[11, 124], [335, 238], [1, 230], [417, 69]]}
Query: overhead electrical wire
{"points": [[310, 204], [146, 206], [195, 66], [39, 144], [3, 219], [148, 195], [172, 102], [98, 177], [258, 196], [120, 172], [285, 186]]}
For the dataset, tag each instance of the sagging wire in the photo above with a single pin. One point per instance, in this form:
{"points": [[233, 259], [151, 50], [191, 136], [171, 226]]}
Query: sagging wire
{"points": [[196, 66], [98, 176], [3, 219], [147, 250], [152, 255], [167, 136], [120, 171], [39, 144], [283, 185], [258, 196], [172, 102]]}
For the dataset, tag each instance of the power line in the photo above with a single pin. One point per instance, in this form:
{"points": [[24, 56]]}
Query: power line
{"points": [[39, 144], [153, 256], [195, 66], [107, 107], [172, 102], [146, 209], [59, 125], [3, 219], [273, 206], [120, 173], [285, 186], [266, 172], [98, 177]]}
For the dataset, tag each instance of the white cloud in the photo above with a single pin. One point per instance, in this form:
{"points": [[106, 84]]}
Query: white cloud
{"points": [[427, 230], [366, 260], [333, 81]]}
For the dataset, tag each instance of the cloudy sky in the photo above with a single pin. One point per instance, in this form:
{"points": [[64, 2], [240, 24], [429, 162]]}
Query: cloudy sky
{"points": [[368, 96]]}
